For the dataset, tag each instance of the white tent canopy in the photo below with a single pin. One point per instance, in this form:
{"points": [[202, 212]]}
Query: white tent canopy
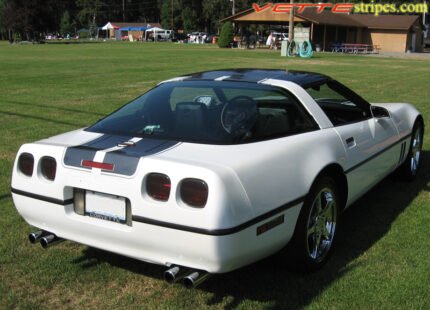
{"points": [[154, 30], [109, 26]]}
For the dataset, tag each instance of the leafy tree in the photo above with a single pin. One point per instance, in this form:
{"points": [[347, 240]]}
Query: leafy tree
{"points": [[189, 17], [167, 14], [213, 11], [65, 23], [89, 13], [226, 36], [29, 19], [2, 25]]}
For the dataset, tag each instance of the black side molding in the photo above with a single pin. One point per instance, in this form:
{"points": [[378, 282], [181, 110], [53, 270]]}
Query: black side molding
{"points": [[43, 198], [377, 154], [223, 231], [202, 231]]}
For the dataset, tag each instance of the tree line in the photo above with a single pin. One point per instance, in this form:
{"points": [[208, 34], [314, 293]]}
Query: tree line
{"points": [[32, 19]]}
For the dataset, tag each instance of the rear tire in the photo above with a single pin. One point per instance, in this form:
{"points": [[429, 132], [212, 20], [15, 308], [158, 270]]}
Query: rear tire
{"points": [[315, 231], [409, 169]]}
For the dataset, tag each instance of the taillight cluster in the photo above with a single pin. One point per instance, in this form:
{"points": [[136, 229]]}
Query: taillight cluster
{"points": [[48, 166], [158, 186], [193, 192], [26, 164]]}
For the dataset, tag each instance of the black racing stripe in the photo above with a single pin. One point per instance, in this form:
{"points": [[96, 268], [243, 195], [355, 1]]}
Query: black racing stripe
{"points": [[42, 198], [75, 155], [377, 154], [146, 147], [106, 141], [224, 231], [123, 164], [127, 159]]}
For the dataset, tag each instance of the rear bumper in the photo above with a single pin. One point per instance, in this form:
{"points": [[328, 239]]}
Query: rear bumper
{"points": [[213, 251]]}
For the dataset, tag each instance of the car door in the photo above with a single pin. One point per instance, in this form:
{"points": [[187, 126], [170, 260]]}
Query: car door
{"points": [[368, 140]]}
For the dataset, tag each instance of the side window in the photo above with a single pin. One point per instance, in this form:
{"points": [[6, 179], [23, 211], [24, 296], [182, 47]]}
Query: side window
{"points": [[339, 104], [279, 115]]}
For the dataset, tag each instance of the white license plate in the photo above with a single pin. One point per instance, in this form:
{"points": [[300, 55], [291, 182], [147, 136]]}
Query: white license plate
{"points": [[105, 207]]}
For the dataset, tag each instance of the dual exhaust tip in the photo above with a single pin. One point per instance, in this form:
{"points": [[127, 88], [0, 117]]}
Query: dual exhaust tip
{"points": [[45, 238], [190, 278]]}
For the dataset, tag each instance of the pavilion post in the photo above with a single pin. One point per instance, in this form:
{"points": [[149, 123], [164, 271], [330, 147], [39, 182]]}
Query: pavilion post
{"points": [[291, 23], [312, 32], [325, 34]]}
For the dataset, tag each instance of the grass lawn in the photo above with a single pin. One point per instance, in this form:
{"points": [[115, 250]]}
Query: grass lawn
{"points": [[382, 255]]}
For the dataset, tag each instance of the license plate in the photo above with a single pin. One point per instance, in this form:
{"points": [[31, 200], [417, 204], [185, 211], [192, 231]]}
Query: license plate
{"points": [[105, 207]]}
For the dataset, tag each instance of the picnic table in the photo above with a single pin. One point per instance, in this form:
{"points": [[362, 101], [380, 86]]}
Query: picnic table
{"points": [[355, 48]]}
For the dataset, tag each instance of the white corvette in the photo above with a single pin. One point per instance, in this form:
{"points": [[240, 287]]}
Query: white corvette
{"points": [[212, 171]]}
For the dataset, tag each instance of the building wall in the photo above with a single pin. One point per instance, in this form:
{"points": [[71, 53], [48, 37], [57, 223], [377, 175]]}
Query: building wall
{"points": [[389, 40]]}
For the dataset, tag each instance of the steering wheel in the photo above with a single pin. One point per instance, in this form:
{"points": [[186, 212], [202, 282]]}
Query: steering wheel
{"points": [[239, 115]]}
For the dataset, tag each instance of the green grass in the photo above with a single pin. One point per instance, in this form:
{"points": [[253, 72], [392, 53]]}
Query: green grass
{"points": [[381, 259]]}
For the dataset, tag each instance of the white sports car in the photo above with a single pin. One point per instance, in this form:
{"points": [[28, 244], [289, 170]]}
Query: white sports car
{"points": [[212, 171]]}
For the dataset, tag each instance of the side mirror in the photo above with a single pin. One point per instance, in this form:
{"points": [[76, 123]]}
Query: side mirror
{"points": [[380, 112]]}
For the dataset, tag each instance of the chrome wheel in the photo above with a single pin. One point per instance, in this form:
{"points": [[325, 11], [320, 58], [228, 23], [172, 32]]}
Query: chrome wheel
{"points": [[321, 225], [416, 150]]}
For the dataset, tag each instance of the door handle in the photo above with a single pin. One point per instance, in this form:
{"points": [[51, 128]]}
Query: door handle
{"points": [[350, 142]]}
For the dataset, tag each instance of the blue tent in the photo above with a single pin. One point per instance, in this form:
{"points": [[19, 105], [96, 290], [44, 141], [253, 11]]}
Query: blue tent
{"points": [[134, 28]]}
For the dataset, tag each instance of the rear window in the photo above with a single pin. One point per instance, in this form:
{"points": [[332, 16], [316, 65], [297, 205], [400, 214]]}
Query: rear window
{"points": [[209, 112]]}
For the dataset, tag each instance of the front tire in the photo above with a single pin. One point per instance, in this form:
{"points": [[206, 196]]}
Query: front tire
{"points": [[409, 169], [316, 227]]}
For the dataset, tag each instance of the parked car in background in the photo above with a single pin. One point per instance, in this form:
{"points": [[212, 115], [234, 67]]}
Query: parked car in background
{"points": [[281, 36], [197, 37], [164, 35]]}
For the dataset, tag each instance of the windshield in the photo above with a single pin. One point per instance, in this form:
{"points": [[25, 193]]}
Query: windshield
{"points": [[213, 112]]}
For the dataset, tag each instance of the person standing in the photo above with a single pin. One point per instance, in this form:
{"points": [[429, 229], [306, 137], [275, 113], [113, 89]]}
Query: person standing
{"points": [[269, 40]]}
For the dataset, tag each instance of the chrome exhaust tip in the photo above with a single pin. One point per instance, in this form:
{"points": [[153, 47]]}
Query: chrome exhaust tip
{"points": [[34, 237], [175, 274], [196, 278], [170, 275], [49, 240]]}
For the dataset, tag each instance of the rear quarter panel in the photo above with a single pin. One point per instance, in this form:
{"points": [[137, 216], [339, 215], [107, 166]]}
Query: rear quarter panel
{"points": [[270, 173]]}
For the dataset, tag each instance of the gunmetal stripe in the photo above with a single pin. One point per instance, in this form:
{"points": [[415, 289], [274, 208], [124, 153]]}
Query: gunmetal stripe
{"points": [[223, 231], [377, 154], [125, 158], [107, 141], [42, 198], [75, 155]]}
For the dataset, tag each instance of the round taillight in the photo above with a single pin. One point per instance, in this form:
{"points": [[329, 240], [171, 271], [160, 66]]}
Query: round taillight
{"points": [[158, 186], [194, 192], [26, 164], [48, 167]]}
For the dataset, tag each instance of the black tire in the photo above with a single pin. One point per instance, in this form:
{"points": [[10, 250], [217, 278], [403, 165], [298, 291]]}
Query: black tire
{"points": [[409, 169], [315, 232]]}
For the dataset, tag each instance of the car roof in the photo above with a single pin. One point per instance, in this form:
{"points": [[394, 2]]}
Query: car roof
{"points": [[301, 78]]}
